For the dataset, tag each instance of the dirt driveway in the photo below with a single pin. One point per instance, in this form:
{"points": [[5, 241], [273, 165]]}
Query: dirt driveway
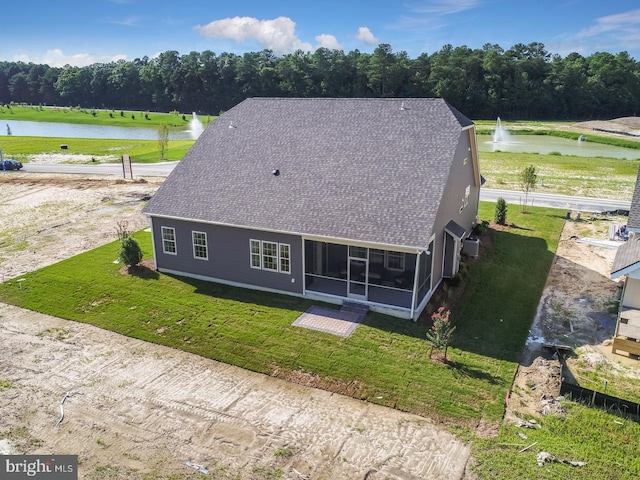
{"points": [[144, 410]]}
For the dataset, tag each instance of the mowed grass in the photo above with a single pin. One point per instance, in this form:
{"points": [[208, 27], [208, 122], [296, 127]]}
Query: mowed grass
{"points": [[608, 444], [95, 116], [140, 151]]}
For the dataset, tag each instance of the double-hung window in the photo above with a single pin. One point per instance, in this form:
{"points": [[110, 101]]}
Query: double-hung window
{"points": [[272, 256], [285, 258], [395, 260], [200, 245], [169, 241]]}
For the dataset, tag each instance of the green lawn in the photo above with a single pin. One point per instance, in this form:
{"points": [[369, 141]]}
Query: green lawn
{"points": [[94, 116], [140, 151]]}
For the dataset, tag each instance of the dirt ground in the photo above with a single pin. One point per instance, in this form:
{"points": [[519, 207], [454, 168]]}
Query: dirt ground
{"points": [[144, 410], [576, 310]]}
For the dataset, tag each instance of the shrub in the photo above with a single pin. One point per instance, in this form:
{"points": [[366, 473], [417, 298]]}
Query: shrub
{"points": [[480, 228], [130, 252], [501, 211]]}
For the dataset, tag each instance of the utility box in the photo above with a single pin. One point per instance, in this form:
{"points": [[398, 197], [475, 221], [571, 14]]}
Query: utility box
{"points": [[471, 246]]}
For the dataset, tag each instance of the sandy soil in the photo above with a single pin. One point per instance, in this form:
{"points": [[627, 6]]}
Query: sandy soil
{"points": [[575, 311], [144, 410]]}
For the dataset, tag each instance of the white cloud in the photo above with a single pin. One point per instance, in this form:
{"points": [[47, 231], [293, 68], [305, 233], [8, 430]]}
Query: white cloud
{"points": [[57, 58], [620, 32], [445, 7], [328, 41], [365, 35], [622, 23], [127, 21], [278, 34]]}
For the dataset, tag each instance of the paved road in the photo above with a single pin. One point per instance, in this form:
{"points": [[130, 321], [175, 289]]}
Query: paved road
{"points": [[582, 204], [139, 169]]}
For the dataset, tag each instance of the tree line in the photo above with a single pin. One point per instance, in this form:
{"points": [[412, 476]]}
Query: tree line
{"points": [[522, 82]]}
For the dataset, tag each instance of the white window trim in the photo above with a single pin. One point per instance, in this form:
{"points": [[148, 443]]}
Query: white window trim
{"points": [[278, 257], [275, 258], [384, 255], [175, 240], [259, 254], [205, 245], [386, 261]]}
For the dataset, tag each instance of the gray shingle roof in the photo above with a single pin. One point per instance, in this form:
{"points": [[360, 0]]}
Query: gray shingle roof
{"points": [[627, 258], [634, 213], [370, 170]]}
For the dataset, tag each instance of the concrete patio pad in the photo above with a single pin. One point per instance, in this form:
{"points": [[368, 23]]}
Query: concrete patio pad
{"points": [[336, 322]]}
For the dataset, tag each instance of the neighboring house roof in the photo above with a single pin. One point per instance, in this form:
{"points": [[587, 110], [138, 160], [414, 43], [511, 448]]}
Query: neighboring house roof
{"points": [[368, 170], [633, 223], [627, 258]]}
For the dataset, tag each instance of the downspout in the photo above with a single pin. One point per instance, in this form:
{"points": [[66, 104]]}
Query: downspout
{"points": [[153, 243], [414, 295], [304, 269]]}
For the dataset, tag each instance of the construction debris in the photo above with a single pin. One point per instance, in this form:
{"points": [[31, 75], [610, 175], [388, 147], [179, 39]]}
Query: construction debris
{"points": [[196, 466], [528, 424], [546, 457], [66, 395]]}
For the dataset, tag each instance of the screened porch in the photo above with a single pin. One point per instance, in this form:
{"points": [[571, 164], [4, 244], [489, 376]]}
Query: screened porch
{"points": [[384, 277]]}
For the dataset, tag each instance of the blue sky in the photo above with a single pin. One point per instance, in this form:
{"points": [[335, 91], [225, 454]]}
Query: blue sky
{"points": [[59, 32]]}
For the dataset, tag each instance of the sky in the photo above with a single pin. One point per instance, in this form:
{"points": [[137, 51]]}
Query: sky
{"points": [[83, 32]]}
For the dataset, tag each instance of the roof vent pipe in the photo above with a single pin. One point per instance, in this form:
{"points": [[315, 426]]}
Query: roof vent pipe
{"points": [[276, 173]]}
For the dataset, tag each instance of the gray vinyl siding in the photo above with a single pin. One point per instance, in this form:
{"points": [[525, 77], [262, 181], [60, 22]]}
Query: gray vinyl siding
{"points": [[460, 176], [229, 259]]}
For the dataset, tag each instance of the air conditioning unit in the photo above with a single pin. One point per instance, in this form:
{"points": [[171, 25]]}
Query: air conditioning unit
{"points": [[471, 246]]}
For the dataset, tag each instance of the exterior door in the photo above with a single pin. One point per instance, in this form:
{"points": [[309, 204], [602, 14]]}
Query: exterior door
{"points": [[357, 278]]}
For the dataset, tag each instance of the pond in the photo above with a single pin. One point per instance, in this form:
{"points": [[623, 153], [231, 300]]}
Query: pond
{"points": [[545, 144], [71, 130]]}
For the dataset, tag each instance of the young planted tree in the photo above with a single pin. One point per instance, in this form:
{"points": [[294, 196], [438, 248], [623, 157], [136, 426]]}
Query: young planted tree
{"points": [[439, 336], [163, 139], [528, 180], [130, 252], [501, 211]]}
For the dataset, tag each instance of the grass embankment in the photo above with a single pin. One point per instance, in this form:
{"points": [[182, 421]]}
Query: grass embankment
{"points": [[140, 151], [92, 116], [556, 129], [563, 174]]}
